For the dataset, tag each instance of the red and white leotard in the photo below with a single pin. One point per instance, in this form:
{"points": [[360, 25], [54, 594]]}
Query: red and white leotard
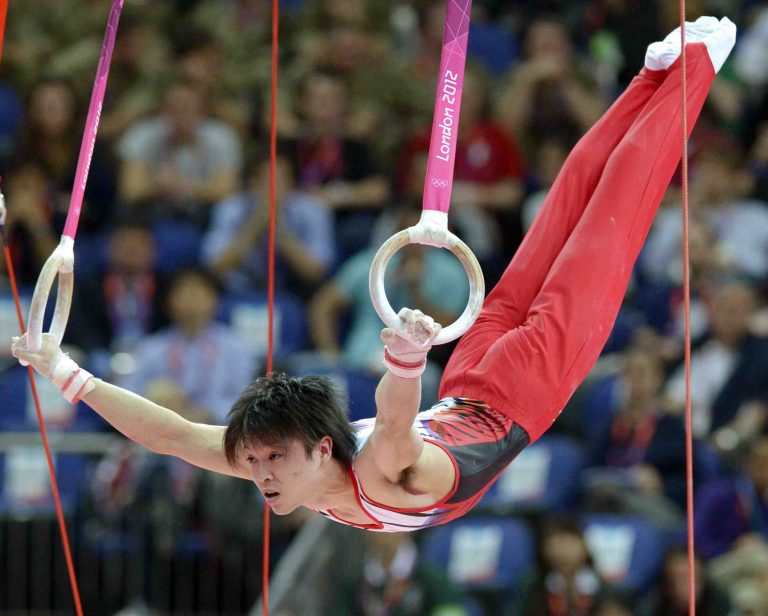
{"points": [[480, 441]]}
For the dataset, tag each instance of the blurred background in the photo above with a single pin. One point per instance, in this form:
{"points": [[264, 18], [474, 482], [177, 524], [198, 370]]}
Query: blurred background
{"points": [[171, 303]]}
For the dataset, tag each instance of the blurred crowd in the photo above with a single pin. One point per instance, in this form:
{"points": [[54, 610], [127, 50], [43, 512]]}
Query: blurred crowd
{"points": [[171, 256]]}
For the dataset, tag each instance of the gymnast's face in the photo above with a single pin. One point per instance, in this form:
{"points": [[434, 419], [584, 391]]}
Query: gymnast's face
{"points": [[284, 473]]}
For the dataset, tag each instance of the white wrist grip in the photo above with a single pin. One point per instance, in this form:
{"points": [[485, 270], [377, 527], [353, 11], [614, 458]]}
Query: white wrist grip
{"points": [[405, 370], [73, 381]]}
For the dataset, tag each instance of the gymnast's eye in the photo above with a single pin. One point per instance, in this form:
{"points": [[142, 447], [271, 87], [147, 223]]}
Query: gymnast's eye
{"points": [[250, 459], [274, 456]]}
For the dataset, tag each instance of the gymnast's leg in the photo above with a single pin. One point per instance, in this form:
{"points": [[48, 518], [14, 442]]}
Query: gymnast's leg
{"points": [[530, 371], [508, 303]]}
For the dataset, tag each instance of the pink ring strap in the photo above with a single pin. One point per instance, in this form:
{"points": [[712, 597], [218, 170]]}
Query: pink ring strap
{"points": [[92, 121], [445, 124], [61, 262], [432, 229]]}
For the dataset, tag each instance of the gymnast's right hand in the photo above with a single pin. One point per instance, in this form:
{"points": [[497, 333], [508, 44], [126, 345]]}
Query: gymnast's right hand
{"points": [[56, 366], [405, 351]]}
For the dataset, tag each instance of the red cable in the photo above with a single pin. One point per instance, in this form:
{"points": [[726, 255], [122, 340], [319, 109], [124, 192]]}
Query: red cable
{"points": [[687, 310], [271, 271], [44, 434], [3, 12], [31, 373]]}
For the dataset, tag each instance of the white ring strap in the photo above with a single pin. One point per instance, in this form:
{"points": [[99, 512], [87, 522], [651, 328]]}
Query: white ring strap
{"points": [[59, 265]]}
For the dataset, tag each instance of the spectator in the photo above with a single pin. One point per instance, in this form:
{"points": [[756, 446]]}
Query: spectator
{"points": [[51, 138], [115, 308], [207, 361], [180, 162], [138, 60], [758, 163], [641, 446], [392, 580], [729, 372], [732, 512], [336, 168], [201, 61], [744, 572], [240, 31], [614, 606], [719, 185], [235, 247], [547, 95], [750, 58], [548, 159], [565, 580], [630, 23], [670, 595], [30, 228], [662, 302], [349, 39]]}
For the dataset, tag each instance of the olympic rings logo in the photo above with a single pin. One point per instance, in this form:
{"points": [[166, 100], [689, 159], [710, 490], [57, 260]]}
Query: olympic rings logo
{"points": [[439, 183]]}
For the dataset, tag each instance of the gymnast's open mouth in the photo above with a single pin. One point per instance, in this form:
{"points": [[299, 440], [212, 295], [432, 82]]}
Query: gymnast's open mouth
{"points": [[270, 495]]}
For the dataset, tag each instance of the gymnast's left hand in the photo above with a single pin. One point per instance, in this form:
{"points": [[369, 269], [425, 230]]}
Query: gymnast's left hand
{"points": [[45, 360], [54, 365]]}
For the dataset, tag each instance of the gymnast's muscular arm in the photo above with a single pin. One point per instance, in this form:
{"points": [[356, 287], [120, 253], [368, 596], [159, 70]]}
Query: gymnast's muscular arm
{"points": [[394, 444], [161, 430], [155, 427]]}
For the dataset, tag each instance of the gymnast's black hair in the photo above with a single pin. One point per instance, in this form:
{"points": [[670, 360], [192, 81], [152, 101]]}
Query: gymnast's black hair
{"points": [[275, 409]]}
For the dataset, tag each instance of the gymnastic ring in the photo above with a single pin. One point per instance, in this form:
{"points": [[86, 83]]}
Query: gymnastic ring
{"points": [[462, 253], [59, 265]]}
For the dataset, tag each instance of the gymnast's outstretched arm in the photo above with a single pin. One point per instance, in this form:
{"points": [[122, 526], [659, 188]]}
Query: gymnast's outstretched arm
{"points": [[157, 428]]}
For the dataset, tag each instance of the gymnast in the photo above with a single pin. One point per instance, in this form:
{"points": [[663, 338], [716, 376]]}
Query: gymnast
{"points": [[539, 333]]}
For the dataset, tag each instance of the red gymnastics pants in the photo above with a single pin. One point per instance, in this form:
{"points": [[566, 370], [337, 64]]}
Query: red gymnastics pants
{"points": [[545, 323]]}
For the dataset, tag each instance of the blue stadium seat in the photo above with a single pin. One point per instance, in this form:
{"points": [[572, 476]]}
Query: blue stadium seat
{"points": [[72, 477], [492, 46], [353, 232], [25, 484], [482, 553], [709, 464], [11, 116], [627, 550], [473, 606], [599, 406], [362, 393], [544, 477], [177, 244], [91, 251], [17, 413], [13, 399]]}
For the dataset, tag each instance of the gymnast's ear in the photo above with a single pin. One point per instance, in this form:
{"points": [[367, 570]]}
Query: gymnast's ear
{"points": [[325, 448]]}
